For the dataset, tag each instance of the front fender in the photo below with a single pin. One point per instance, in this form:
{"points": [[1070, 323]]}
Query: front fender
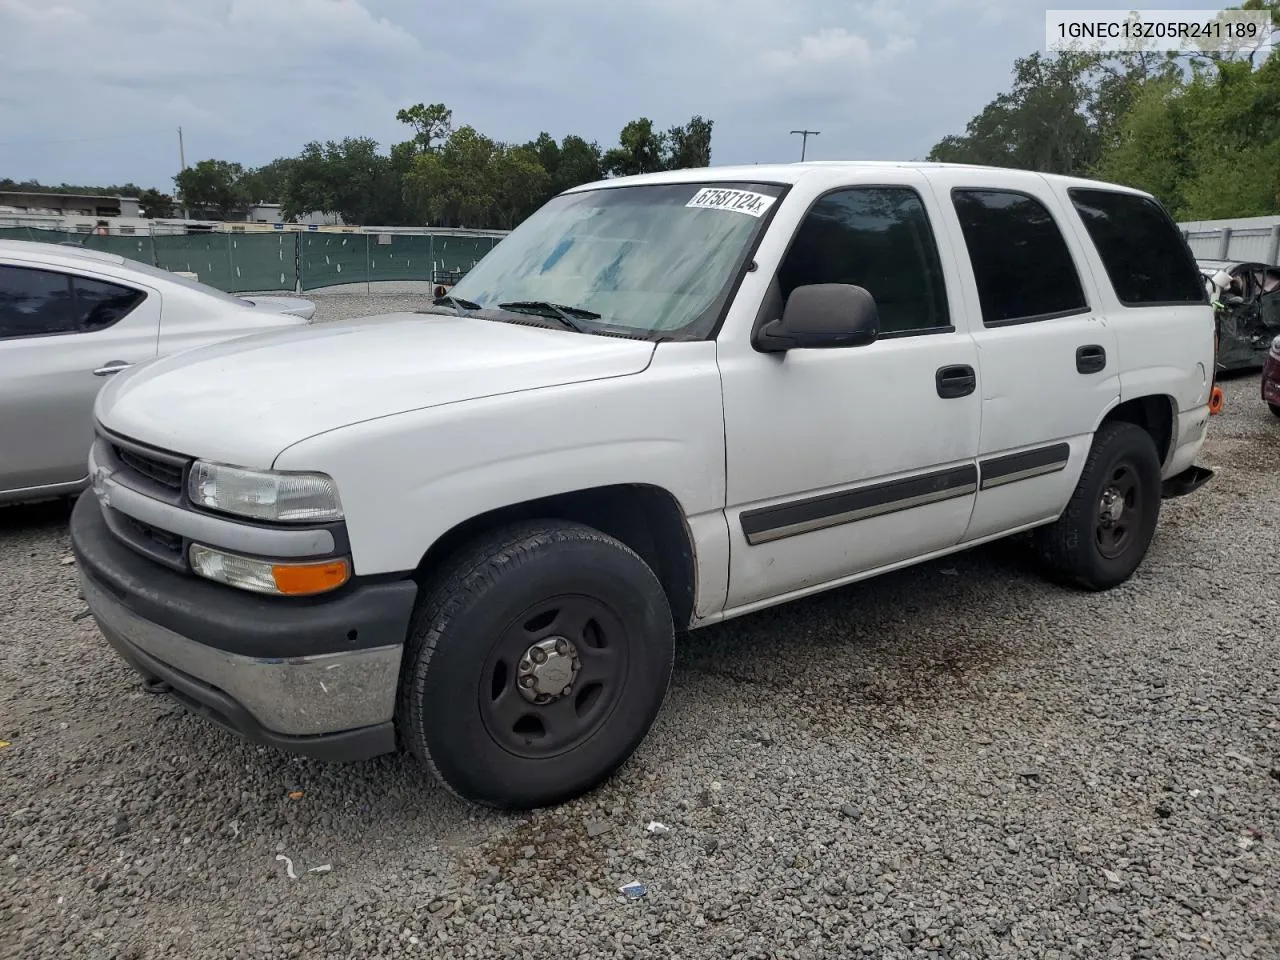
{"points": [[408, 479]]}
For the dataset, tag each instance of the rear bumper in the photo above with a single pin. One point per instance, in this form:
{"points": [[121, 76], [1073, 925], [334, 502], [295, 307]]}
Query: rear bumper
{"points": [[315, 678], [1190, 430]]}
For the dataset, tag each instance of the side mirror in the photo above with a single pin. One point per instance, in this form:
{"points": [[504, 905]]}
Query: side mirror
{"points": [[822, 315]]}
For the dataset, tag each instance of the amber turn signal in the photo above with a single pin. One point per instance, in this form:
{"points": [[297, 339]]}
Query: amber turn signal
{"points": [[300, 579], [1216, 399]]}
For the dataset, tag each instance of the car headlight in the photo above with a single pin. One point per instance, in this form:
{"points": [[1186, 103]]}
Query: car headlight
{"points": [[269, 576], [1275, 348], [264, 494]]}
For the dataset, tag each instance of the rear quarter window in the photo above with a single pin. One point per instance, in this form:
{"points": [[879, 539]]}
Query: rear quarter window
{"points": [[1145, 257]]}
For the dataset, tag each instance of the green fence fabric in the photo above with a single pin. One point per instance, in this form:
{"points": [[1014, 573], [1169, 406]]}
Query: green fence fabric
{"points": [[325, 259], [460, 253], [234, 262], [399, 256], [285, 261]]}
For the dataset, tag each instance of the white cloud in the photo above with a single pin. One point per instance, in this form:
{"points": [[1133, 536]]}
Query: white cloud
{"points": [[250, 80]]}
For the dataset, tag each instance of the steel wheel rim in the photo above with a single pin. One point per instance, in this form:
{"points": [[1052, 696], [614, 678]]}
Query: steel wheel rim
{"points": [[1118, 511], [541, 720]]}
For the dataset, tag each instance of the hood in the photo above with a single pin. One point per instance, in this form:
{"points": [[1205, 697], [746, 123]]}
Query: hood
{"points": [[294, 306], [245, 400]]}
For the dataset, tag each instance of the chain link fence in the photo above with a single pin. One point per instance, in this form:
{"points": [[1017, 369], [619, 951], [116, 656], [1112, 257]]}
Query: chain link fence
{"points": [[288, 261]]}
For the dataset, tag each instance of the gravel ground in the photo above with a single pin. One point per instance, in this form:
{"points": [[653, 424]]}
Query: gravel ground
{"points": [[874, 772]]}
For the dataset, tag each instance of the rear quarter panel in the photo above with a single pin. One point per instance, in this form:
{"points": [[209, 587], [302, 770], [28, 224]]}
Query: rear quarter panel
{"points": [[189, 320], [1163, 350]]}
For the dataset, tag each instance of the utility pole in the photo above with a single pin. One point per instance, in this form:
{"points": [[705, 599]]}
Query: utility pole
{"points": [[804, 142], [182, 163]]}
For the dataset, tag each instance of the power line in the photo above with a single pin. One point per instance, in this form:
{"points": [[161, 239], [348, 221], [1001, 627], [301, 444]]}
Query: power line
{"points": [[110, 136], [806, 134]]}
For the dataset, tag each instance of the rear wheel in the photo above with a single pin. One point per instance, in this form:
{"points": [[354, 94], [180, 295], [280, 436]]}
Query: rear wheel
{"points": [[536, 663], [1275, 408], [1103, 535]]}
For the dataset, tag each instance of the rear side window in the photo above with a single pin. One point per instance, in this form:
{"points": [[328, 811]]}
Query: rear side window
{"points": [[37, 302], [1144, 254], [1021, 262], [100, 304]]}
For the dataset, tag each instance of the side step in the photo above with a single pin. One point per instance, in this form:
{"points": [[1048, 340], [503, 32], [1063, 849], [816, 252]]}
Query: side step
{"points": [[1188, 481]]}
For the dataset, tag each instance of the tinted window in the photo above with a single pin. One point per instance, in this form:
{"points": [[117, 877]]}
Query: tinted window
{"points": [[34, 302], [878, 238], [1021, 262], [100, 304], [37, 302], [1145, 256]]}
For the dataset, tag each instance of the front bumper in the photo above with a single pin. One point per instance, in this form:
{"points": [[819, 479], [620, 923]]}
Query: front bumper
{"points": [[316, 677]]}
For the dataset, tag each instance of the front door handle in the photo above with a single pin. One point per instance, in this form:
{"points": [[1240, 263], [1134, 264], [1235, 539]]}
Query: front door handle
{"points": [[113, 366], [956, 381], [1091, 358]]}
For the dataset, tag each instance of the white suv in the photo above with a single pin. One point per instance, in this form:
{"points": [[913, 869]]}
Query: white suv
{"points": [[663, 401]]}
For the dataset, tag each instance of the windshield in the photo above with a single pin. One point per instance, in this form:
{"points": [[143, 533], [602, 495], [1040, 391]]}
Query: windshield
{"points": [[655, 260]]}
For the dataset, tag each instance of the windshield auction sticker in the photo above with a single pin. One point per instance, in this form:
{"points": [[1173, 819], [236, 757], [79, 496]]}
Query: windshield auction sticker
{"points": [[739, 201]]}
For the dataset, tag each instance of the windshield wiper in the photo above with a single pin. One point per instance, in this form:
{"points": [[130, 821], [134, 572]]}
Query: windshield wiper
{"points": [[557, 310], [457, 303]]}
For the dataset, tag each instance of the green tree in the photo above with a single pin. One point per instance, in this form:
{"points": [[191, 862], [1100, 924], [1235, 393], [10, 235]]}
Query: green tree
{"points": [[641, 149], [1046, 122], [520, 184], [155, 205], [432, 124], [213, 186], [1150, 147], [266, 184], [348, 177], [455, 185], [689, 146], [580, 162]]}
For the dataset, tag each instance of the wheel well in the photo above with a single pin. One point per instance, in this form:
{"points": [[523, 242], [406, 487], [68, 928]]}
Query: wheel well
{"points": [[1153, 414], [647, 519]]}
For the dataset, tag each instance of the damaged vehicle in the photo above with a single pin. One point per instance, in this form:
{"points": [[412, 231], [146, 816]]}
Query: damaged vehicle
{"points": [[1246, 298], [1271, 378]]}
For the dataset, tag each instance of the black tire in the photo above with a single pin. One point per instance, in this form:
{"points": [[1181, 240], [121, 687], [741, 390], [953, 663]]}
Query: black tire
{"points": [[475, 631], [1275, 408], [1085, 547]]}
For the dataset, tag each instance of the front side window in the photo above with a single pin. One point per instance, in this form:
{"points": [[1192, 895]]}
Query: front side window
{"points": [[1146, 259], [36, 302], [657, 260], [1020, 260], [878, 238]]}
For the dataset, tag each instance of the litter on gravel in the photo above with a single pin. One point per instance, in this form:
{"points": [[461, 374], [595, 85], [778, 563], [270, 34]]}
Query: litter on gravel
{"points": [[633, 890]]}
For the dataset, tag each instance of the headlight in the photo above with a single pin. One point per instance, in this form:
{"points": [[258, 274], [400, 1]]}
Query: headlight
{"points": [[1275, 348], [269, 576], [264, 494]]}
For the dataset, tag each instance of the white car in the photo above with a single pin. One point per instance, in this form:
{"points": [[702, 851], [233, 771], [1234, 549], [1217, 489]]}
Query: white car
{"points": [[661, 402], [71, 317]]}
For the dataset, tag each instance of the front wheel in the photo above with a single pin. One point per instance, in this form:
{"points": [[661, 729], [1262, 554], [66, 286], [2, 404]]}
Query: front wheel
{"points": [[1275, 408], [536, 663], [1104, 533]]}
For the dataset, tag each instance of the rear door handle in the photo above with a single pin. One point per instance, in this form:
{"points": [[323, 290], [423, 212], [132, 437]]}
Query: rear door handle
{"points": [[956, 381], [113, 366], [1091, 358]]}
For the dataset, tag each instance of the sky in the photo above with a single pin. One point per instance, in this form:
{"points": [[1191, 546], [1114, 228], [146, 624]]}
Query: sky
{"points": [[93, 91]]}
